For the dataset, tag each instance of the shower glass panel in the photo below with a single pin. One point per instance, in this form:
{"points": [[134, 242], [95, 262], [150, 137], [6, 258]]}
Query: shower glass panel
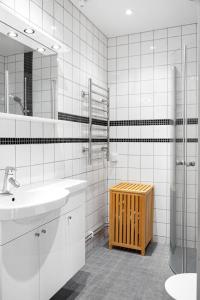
{"points": [[183, 173]]}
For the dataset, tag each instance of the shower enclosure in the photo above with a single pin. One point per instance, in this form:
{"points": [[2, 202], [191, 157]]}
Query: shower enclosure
{"points": [[183, 170]]}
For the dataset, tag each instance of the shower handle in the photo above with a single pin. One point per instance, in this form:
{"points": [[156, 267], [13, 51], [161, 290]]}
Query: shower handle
{"points": [[190, 164], [180, 163]]}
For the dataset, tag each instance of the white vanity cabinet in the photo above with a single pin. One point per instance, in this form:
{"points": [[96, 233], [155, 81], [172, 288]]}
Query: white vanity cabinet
{"points": [[37, 264], [75, 240], [52, 254], [19, 269]]}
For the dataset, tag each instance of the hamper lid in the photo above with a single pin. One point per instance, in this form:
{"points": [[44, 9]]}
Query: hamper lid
{"points": [[132, 187]]}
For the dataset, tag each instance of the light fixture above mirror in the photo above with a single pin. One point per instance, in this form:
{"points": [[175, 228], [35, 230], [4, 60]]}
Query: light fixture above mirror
{"points": [[29, 30], [14, 26], [12, 34]]}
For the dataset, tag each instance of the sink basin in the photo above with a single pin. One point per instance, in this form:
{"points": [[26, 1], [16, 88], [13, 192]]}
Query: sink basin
{"points": [[32, 201]]}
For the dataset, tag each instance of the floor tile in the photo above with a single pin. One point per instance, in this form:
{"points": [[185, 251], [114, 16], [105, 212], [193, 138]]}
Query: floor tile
{"points": [[120, 275]]}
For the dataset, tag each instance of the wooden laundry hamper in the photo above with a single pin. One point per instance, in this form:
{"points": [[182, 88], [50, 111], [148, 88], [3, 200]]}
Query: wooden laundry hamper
{"points": [[131, 216]]}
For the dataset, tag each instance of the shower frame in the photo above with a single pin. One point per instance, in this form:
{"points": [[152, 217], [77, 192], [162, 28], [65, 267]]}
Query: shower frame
{"points": [[179, 264]]}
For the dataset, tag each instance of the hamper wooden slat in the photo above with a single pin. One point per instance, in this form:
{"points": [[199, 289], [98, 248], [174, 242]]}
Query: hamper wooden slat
{"points": [[131, 216]]}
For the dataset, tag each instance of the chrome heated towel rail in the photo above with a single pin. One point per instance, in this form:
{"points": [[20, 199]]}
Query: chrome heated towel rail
{"points": [[99, 118]]}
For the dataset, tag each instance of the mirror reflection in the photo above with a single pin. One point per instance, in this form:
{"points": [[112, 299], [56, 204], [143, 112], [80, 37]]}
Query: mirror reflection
{"points": [[27, 80]]}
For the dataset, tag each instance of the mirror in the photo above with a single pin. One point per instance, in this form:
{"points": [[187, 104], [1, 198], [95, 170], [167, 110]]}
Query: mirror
{"points": [[27, 79], [28, 68]]}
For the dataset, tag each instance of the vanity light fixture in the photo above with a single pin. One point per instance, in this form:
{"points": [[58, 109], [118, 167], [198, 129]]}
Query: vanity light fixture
{"points": [[129, 12], [29, 30], [41, 50], [56, 47], [12, 34]]}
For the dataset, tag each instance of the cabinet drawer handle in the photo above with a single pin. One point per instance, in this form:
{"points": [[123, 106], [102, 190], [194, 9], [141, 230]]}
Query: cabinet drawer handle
{"points": [[37, 234], [70, 217], [44, 231]]}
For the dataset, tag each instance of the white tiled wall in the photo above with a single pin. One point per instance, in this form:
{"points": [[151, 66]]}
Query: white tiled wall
{"points": [[15, 66], [139, 76], [44, 75], [2, 72], [87, 58]]}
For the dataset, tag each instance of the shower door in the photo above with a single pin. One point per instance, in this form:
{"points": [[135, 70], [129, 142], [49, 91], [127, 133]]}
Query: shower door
{"points": [[182, 180]]}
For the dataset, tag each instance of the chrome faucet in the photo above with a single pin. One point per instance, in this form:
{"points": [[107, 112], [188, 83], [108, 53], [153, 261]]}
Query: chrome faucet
{"points": [[8, 178]]}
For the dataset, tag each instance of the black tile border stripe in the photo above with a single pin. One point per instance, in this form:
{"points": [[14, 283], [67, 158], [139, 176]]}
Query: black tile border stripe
{"points": [[189, 121], [145, 122], [28, 74], [141, 122], [152, 140], [80, 119], [22, 141], [189, 140], [129, 140], [152, 122]]}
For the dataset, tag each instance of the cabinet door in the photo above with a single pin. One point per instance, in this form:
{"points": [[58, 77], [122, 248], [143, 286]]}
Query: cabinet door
{"points": [[52, 257], [20, 268], [76, 239]]}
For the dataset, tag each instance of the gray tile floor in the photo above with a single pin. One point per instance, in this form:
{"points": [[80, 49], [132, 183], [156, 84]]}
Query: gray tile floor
{"points": [[120, 275]]}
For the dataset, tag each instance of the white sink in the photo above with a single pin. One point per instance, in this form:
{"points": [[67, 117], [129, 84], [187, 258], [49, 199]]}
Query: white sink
{"points": [[32, 201]]}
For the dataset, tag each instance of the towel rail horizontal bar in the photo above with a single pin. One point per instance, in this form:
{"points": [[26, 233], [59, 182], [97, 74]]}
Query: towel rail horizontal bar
{"points": [[102, 101], [99, 136], [99, 94], [100, 87], [99, 117], [85, 149], [100, 109], [101, 114]]}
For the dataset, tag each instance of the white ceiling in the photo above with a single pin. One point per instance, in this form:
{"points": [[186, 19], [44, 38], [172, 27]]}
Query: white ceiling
{"points": [[109, 15]]}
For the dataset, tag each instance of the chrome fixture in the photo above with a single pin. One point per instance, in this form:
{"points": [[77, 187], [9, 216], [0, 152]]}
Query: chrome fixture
{"points": [[56, 47], [29, 30], [41, 50], [8, 178], [187, 164], [183, 257], [6, 109], [19, 101], [12, 34], [190, 164], [54, 114], [129, 12], [180, 163], [99, 106]]}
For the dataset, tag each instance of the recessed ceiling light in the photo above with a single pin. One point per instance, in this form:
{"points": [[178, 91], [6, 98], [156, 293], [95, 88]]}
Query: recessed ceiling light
{"points": [[29, 30], [129, 12], [56, 47], [152, 47], [41, 50], [12, 34]]}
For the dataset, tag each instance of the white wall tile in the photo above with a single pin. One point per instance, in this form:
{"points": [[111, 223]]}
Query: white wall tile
{"points": [[23, 155], [7, 154], [7, 128]]}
